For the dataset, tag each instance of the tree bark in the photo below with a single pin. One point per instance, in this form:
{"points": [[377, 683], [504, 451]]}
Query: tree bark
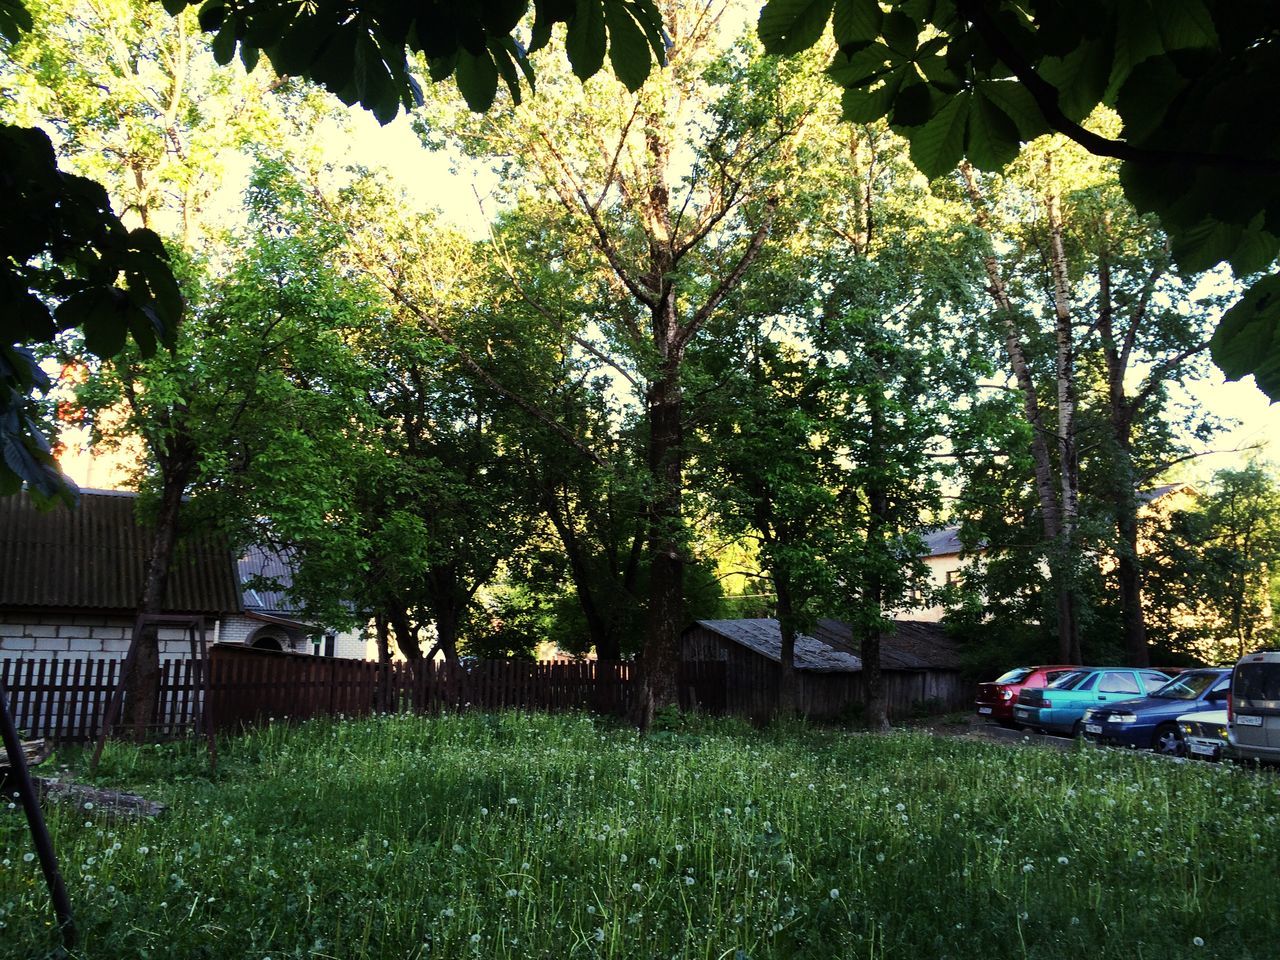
{"points": [[142, 682], [1124, 486], [877, 712], [384, 639], [1051, 525], [601, 629], [406, 637], [660, 659], [788, 687], [1068, 460]]}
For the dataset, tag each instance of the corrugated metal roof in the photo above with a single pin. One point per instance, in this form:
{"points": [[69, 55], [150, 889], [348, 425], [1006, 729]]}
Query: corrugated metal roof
{"points": [[913, 645], [261, 563], [95, 557], [764, 636]]}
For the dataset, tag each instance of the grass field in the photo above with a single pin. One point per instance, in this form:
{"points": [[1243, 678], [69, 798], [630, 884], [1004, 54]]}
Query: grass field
{"points": [[536, 836]]}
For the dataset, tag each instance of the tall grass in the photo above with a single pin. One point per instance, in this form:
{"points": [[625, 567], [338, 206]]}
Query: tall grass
{"points": [[536, 836]]}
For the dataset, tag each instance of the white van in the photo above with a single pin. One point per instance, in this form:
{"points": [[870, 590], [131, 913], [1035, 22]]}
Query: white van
{"points": [[1253, 709]]}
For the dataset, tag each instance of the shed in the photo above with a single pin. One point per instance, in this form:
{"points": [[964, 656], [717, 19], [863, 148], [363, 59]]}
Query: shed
{"points": [[919, 662]]}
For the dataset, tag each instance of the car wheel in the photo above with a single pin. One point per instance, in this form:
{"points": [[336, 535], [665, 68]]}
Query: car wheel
{"points": [[1077, 730], [1168, 740]]}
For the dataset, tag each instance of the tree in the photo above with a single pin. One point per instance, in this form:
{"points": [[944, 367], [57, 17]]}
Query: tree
{"points": [[1094, 322], [979, 78], [73, 264], [670, 238], [1242, 550], [248, 391]]}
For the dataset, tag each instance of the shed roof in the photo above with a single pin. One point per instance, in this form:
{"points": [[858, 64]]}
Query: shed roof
{"points": [[95, 558], [914, 645], [944, 542]]}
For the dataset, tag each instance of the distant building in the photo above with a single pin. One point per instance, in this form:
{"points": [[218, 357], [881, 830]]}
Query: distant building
{"points": [[920, 664], [946, 556]]}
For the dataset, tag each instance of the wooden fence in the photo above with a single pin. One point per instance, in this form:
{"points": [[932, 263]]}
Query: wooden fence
{"points": [[65, 700]]}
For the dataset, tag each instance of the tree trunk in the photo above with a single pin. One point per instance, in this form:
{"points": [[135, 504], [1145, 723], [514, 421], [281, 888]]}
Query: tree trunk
{"points": [[1123, 489], [142, 682], [600, 628], [660, 659], [1042, 461], [406, 637], [1068, 461], [877, 711], [384, 639], [788, 687]]}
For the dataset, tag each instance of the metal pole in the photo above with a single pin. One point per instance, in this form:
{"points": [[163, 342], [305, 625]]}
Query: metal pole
{"points": [[35, 820]]}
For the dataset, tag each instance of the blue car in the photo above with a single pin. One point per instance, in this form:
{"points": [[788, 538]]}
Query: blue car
{"points": [[1152, 721], [1060, 707]]}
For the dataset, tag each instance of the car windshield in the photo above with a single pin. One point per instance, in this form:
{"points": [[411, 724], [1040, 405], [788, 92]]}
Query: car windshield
{"points": [[1186, 686], [1069, 681], [1256, 686], [1016, 675]]}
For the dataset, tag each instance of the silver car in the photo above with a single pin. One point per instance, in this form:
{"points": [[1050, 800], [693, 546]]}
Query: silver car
{"points": [[1253, 715], [1204, 734]]}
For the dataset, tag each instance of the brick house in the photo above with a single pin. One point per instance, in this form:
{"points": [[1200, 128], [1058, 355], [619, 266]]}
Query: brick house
{"points": [[70, 581]]}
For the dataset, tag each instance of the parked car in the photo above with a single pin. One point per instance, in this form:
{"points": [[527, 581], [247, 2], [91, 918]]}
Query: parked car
{"points": [[1060, 707], [1205, 734], [1253, 710], [995, 699], [1152, 721]]}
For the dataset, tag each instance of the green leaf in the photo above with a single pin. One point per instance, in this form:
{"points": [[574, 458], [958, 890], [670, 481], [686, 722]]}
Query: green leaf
{"points": [[867, 106], [914, 104], [937, 146], [224, 44], [860, 67], [901, 33], [790, 26], [1184, 24], [628, 48], [1247, 340], [248, 56], [856, 20], [477, 79], [1080, 77], [1017, 104], [502, 58], [992, 137], [585, 40], [15, 20], [98, 312]]}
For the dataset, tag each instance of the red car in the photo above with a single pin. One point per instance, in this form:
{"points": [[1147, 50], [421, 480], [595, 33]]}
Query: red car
{"points": [[996, 699]]}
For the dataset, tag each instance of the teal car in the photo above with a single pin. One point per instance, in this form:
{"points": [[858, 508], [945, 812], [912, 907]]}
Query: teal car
{"points": [[1060, 707]]}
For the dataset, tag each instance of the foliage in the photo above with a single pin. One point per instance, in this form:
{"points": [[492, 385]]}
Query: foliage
{"points": [[364, 53], [558, 836], [68, 262], [1222, 564], [976, 79]]}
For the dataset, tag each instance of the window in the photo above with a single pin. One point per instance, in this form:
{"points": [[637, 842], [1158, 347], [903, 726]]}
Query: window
{"points": [[1016, 675], [1118, 683], [1075, 680], [1257, 687], [1188, 686]]}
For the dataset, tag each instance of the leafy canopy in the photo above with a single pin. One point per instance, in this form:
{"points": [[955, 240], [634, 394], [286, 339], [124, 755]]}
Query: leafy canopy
{"points": [[977, 78]]}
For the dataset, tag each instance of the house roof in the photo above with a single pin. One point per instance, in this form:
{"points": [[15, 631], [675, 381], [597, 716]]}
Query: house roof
{"points": [[914, 645], [258, 564], [95, 558], [1160, 492], [944, 542]]}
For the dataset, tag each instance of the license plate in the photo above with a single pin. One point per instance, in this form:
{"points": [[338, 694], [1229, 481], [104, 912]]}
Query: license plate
{"points": [[1093, 728], [984, 709], [1202, 749], [1023, 714], [1248, 721]]}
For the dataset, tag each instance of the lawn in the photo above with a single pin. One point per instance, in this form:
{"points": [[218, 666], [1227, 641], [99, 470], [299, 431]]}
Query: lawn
{"points": [[537, 836]]}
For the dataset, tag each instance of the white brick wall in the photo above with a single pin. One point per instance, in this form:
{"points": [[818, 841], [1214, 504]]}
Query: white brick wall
{"points": [[79, 636]]}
